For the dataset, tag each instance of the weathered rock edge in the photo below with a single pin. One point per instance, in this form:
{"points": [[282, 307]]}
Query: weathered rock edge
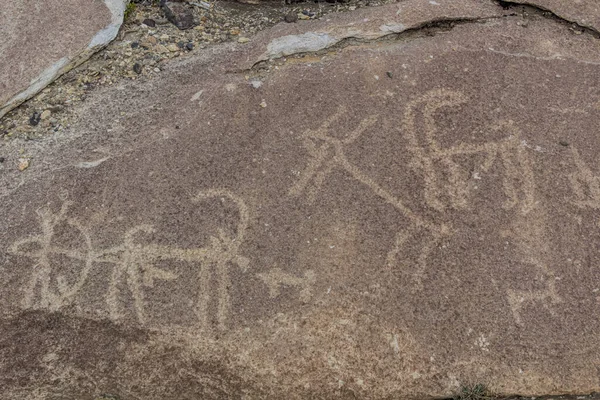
{"points": [[585, 14], [296, 40], [364, 25], [65, 64]]}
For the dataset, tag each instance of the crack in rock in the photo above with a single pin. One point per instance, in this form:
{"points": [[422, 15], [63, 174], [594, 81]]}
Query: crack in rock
{"points": [[410, 17], [550, 14], [316, 42]]}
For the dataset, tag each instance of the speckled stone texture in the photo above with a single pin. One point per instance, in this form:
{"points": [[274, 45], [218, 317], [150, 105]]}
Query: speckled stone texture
{"points": [[582, 12], [392, 217], [40, 40]]}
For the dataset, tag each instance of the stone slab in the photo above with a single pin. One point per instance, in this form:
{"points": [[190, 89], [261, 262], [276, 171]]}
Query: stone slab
{"points": [[363, 25], [42, 40], [583, 12], [393, 219]]}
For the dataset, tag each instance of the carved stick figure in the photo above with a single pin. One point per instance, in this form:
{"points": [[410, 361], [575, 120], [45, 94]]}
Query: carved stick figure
{"points": [[134, 263], [42, 274], [222, 252], [327, 152]]}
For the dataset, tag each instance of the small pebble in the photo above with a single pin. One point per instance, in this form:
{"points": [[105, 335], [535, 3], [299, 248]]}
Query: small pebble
{"points": [[137, 68], [189, 46], [243, 40], [389, 74], [291, 17], [149, 22], [2, 159], [23, 164], [161, 49], [263, 104], [563, 143], [35, 119], [135, 45]]}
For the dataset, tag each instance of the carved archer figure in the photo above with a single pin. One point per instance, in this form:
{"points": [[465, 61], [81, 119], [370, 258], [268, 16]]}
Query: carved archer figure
{"points": [[133, 264], [54, 292]]}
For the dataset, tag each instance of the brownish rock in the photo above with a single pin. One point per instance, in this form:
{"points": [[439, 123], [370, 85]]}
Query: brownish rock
{"points": [[583, 12], [179, 14], [149, 22], [43, 40], [400, 218], [291, 17]]}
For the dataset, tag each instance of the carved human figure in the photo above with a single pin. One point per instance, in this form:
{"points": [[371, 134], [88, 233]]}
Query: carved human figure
{"points": [[133, 264], [447, 182], [46, 289], [327, 152]]}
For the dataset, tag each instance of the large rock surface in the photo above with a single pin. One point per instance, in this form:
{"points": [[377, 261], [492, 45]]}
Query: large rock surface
{"points": [[381, 219], [41, 40]]}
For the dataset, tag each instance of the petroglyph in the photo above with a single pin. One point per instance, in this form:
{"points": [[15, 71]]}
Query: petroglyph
{"points": [[584, 183], [135, 260], [323, 157], [223, 251], [41, 280], [447, 183], [444, 177], [133, 263], [427, 246], [327, 153], [276, 278], [518, 299], [528, 235]]}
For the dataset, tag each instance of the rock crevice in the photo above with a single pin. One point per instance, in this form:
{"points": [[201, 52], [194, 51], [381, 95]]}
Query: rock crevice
{"points": [[550, 13]]}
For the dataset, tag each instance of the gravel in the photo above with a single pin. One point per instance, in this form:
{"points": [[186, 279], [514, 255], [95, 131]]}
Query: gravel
{"points": [[147, 41]]}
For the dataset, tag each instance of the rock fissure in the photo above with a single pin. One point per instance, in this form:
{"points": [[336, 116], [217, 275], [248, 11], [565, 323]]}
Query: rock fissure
{"points": [[544, 12], [427, 29], [318, 43]]}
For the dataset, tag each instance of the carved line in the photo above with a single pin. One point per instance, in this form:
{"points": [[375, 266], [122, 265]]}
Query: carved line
{"points": [[133, 264], [276, 278]]}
